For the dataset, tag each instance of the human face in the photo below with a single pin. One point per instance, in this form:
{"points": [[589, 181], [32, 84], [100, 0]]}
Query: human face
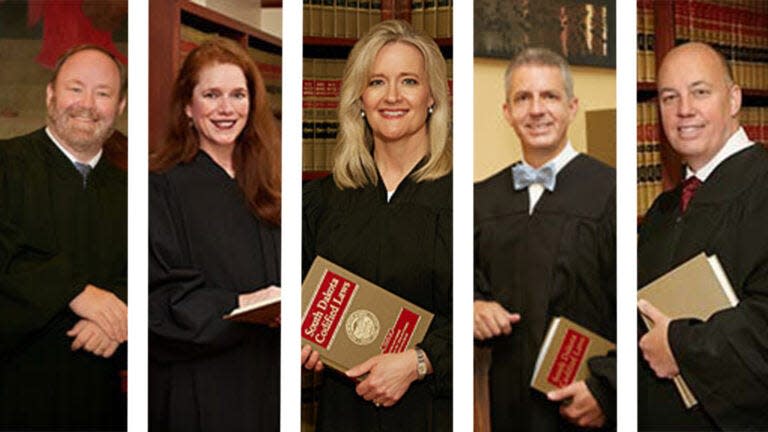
{"points": [[698, 105], [397, 96], [84, 102], [219, 105], [540, 111]]}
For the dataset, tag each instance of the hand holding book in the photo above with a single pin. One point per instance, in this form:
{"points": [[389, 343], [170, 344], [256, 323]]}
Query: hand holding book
{"points": [[386, 377], [655, 345], [578, 406]]}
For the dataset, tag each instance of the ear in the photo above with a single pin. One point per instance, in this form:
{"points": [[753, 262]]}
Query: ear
{"points": [[507, 110], [121, 106], [431, 101], [735, 100], [188, 111], [48, 94], [573, 108]]}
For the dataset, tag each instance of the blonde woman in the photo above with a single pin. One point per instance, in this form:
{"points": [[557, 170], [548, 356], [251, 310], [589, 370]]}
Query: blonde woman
{"points": [[385, 214]]}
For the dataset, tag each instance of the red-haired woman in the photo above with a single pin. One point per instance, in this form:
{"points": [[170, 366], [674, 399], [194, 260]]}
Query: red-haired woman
{"points": [[214, 244]]}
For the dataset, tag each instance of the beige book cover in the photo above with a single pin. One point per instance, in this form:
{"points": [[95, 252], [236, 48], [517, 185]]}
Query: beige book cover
{"points": [[263, 311], [348, 319], [564, 354], [696, 289]]}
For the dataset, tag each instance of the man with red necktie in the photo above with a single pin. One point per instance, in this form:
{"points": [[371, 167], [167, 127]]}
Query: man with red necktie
{"points": [[721, 209]]}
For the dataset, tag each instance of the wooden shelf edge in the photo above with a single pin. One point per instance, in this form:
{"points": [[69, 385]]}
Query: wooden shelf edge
{"points": [[218, 17]]}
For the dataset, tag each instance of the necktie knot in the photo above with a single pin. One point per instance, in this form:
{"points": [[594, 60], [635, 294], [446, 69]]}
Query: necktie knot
{"points": [[84, 170], [690, 185], [524, 175]]}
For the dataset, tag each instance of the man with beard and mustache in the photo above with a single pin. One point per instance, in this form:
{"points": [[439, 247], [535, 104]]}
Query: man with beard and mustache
{"points": [[63, 257], [545, 246]]}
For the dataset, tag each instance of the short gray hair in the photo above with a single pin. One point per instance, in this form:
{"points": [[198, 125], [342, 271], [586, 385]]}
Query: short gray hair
{"points": [[539, 57]]}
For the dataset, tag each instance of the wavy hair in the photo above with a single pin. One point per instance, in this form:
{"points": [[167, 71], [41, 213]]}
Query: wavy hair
{"points": [[354, 166], [256, 156]]}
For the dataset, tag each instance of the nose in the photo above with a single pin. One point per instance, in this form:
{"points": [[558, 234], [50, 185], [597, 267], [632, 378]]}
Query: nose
{"points": [[88, 99], [393, 93], [685, 106], [225, 105], [537, 105]]}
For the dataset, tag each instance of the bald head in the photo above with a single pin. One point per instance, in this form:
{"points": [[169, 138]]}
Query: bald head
{"points": [[699, 50], [699, 102]]}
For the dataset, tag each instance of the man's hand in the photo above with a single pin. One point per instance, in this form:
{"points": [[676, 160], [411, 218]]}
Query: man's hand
{"points": [[310, 359], [389, 377], [655, 344], [491, 320], [579, 406], [92, 338], [104, 309]]}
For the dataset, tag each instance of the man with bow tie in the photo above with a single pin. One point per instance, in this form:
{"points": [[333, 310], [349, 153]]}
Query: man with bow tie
{"points": [[721, 208], [545, 247]]}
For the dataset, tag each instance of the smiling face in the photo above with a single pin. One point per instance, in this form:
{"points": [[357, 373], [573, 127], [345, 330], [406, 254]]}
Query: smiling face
{"points": [[540, 111], [397, 96], [698, 103], [219, 105], [84, 102]]}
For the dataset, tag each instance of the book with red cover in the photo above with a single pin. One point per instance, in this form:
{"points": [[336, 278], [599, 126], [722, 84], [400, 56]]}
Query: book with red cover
{"points": [[564, 354], [348, 319]]}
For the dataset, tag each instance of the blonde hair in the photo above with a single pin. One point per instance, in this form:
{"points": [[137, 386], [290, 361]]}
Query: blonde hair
{"points": [[354, 166]]}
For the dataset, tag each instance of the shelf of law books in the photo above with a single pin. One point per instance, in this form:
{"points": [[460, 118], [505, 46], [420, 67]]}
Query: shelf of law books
{"points": [[736, 28], [179, 27], [331, 28]]}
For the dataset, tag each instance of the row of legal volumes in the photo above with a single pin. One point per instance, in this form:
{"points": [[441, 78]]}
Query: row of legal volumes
{"points": [[320, 104], [649, 168], [351, 19], [736, 28], [646, 42]]}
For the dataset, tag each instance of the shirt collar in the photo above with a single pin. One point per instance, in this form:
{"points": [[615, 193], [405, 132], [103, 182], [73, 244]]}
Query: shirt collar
{"points": [[561, 160], [736, 143], [69, 155]]}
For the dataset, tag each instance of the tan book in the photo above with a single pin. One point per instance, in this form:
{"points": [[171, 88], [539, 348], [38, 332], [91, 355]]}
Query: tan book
{"points": [[263, 311], [696, 289], [348, 319], [564, 354]]}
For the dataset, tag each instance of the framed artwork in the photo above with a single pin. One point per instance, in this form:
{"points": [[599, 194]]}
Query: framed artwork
{"points": [[583, 31]]}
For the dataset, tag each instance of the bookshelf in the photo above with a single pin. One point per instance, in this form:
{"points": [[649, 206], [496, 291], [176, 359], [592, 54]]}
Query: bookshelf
{"points": [[739, 30], [331, 29], [177, 27]]}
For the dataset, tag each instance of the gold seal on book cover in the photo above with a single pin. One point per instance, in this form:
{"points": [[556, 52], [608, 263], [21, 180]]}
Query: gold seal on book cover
{"points": [[362, 327]]}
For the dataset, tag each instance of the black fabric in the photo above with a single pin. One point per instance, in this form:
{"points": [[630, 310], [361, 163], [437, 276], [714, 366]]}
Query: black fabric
{"points": [[558, 261], [723, 360], [205, 248], [404, 246], [56, 237]]}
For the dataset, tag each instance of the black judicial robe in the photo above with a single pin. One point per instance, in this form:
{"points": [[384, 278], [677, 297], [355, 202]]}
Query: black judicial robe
{"points": [[403, 245], [56, 237], [205, 248], [723, 360], [558, 261]]}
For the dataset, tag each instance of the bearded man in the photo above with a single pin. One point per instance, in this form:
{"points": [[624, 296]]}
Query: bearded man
{"points": [[63, 257]]}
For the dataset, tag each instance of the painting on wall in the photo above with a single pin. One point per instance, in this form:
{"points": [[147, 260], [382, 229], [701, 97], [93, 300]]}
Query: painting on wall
{"points": [[583, 31]]}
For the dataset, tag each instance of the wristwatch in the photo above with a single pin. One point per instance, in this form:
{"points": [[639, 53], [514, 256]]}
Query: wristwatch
{"points": [[421, 363]]}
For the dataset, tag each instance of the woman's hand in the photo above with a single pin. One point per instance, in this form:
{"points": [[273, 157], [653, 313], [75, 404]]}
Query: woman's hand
{"points": [[389, 376], [258, 295], [310, 359]]}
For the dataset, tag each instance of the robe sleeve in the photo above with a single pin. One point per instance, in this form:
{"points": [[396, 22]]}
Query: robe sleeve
{"points": [[482, 289], [36, 282], [725, 359], [312, 208], [602, 379], [437, 343], [185, 309]]}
